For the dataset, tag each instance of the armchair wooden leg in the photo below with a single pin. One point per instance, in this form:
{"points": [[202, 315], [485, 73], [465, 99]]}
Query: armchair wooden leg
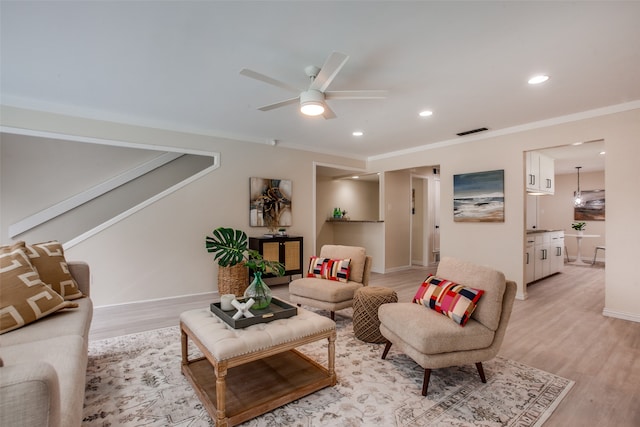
{"points": [[481, 372], [386, 349], [333, 315], [425, 382]]}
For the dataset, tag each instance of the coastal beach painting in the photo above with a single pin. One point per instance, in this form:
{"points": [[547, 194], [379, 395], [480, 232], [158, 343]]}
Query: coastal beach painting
{"points": [[479, 197]]}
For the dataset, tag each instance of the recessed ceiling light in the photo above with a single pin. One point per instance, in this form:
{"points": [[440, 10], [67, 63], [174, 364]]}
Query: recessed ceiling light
{"points": [[357, 133], [425, 113], [578, 143], [355, 177], [602, 153], [535, 80]]}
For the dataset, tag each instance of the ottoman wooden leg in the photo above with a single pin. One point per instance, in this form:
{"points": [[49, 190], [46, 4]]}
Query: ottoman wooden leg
{"points": [[332, 358], [221, 394], [185, 346]]}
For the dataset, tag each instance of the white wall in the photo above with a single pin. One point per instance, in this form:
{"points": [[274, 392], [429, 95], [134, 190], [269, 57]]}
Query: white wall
{"points": [[418, 216], [397, 219], [38, 173], [159, 252], [369, 235], [361, 201], [358, 198], [501, 245]]}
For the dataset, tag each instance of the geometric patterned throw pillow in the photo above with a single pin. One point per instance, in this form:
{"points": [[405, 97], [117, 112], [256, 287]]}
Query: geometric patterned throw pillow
{"points": [[446, 297], [330, 269], [25, 298], [48, 260]]}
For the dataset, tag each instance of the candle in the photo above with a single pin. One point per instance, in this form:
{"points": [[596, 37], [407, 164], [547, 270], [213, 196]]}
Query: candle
{"points": [[225, 302]]}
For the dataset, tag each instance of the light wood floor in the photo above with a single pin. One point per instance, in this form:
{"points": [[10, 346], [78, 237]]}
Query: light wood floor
{"points": [[559, 328]]}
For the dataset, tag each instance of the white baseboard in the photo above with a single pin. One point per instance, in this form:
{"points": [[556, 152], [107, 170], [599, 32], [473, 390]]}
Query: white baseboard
{"points": [[621, 315], [409, 267], [394, 269], [137, 305]]}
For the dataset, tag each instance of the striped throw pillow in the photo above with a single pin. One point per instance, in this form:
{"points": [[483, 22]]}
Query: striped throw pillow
{"points": [[448, 298], [330, 269]]}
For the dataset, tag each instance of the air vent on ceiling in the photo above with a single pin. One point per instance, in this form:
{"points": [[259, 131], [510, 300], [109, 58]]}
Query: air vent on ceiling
{"points": [[471, 131]]}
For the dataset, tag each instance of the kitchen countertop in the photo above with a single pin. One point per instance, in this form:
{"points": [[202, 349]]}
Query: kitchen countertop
{"points": [[541, 231]]}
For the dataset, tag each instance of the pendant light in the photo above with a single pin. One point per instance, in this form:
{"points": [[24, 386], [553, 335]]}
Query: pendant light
{"points": [[577, 196]]}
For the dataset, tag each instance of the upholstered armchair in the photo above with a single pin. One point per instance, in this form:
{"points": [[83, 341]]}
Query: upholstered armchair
{"points": [[434, 340], [333, 295]]}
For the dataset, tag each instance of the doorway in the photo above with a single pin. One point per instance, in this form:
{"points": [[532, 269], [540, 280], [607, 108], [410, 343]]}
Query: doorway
{"points": [[425, 214]]}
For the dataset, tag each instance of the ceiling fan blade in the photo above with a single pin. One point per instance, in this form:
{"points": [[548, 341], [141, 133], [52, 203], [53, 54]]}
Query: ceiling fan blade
{"points": [[356, 94], [331, 66], [280, 104], [328, 112], [258, 76]]}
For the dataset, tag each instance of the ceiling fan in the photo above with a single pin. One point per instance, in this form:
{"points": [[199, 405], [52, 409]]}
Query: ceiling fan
{"points": [[313, 99]]}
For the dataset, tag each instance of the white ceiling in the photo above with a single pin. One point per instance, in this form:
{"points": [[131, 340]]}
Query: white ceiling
{"points": [[589, 156], [176, 65]]}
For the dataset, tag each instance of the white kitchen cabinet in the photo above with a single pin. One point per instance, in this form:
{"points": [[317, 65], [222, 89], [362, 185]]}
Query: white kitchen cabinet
{"points": [[556, 251], [540, 173], [529, 272], [544, 254], [541, 261], [547, 174]]}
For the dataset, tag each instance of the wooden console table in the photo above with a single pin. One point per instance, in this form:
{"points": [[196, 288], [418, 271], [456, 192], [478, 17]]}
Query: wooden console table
{"points": [[284, 249]]}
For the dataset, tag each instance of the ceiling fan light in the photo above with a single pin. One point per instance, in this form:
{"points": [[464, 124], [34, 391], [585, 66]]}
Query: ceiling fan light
{"points": [[312, 102], [311, 108]]}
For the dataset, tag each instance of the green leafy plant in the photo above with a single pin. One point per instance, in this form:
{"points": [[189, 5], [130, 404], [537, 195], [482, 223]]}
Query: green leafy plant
{"points": [[230, 247], [579, 225]]}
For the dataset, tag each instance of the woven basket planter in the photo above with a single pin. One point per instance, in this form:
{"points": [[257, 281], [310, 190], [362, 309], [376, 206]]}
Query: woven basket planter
{"points": [[233, 280]]}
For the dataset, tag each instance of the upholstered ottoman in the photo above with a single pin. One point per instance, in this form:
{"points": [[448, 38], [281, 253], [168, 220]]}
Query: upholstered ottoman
{"points": [[246, 372], [366, 301]]}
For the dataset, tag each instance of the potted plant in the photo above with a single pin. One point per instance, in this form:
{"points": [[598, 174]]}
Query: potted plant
{"points": [[579, 226], [230, 247]]}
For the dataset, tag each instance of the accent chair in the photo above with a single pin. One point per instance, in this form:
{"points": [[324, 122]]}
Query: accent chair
{"points": [[434, 340], [332, 295]]}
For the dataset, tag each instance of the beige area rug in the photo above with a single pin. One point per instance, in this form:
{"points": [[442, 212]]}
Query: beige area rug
{"points": [[135, 380]]}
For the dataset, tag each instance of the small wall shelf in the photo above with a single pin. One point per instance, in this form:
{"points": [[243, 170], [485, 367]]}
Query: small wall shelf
{"points": [[357, 221]]}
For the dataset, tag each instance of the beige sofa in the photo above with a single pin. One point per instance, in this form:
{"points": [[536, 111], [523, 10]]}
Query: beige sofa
{"points": [[44, 364]]}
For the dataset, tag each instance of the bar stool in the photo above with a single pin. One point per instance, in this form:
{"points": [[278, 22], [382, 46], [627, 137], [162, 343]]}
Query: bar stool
{"points": [[595, 253]]}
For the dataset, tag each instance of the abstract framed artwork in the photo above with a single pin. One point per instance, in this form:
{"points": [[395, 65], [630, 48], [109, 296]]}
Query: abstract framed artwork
{"points": [[270, 203], [593, 206], [479, 197]]}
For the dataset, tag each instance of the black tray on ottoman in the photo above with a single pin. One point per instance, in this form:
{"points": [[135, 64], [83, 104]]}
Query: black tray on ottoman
{"points": [[277, 310]]}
